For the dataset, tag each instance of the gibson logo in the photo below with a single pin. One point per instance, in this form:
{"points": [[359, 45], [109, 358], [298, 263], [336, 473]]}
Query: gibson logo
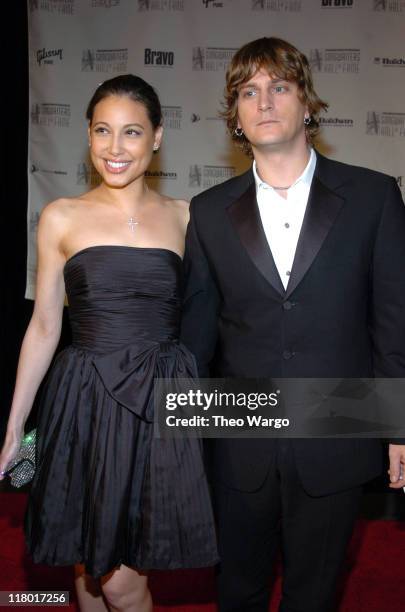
{"points": [[159, 58], [47, 56]]}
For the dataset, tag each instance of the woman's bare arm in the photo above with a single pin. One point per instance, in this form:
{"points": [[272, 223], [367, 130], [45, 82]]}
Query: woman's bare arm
{"points": [[43, 332]]}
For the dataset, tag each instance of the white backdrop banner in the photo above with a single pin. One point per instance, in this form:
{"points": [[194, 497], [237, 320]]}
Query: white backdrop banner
{"points": [[182, 47]]}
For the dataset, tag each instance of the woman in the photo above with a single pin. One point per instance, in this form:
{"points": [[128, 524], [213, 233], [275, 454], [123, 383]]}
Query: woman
{"points": [[106, 495]]}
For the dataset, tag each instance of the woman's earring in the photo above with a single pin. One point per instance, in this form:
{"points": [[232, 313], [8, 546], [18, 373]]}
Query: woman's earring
{"points": [[238, 132], [307, 120]]}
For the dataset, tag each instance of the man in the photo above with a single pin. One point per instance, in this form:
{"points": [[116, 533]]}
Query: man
{"points": [[293, 269]]}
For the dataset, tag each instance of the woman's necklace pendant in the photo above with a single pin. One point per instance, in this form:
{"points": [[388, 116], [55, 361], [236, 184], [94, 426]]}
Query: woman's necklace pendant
{"points": [[132, 224]]}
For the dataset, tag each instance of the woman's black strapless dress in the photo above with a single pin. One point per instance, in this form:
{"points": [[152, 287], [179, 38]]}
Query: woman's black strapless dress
{"points": [[106, 492]]}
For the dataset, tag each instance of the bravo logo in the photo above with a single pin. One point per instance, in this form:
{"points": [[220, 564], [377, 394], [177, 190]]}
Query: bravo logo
{"points": [[159, 58]]}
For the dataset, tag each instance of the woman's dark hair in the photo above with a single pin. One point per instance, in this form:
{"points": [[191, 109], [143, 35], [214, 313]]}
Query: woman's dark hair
{"points": [[135, 88]]}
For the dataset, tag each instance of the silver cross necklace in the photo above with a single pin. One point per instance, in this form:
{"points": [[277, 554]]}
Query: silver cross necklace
{"points": [[132, 224]]}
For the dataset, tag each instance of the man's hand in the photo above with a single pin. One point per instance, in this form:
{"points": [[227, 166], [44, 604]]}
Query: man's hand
{"points": [[396, 453]]}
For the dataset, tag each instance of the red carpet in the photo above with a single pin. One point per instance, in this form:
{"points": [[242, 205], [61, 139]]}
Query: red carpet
{"points": [[373, 580]]}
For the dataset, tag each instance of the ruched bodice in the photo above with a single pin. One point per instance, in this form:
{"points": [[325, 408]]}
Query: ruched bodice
{"points": [[117, 293]]}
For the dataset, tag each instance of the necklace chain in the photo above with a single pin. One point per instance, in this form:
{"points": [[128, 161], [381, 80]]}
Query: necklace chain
{"points": [[132, 223]]}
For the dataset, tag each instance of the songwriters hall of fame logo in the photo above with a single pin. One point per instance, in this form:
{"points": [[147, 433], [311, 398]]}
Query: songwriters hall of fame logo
{"points": [[33, 222], [277, 6], [335, 61], [63, 7], [212, 59], [195, 176], [160, 5], [104, 60], [391, 125], [86, 174], [207, 176], [50, 115], [198, 58], [172, 116], [373, 123], [389, 6]]}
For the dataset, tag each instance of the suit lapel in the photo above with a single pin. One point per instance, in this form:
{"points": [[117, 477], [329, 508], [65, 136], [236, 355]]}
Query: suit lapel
{"points": [[245, 217], [322, 209]]}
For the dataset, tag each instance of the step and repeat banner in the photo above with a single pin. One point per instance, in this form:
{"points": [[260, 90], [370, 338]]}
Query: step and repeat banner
{"points": [[182, 47]]}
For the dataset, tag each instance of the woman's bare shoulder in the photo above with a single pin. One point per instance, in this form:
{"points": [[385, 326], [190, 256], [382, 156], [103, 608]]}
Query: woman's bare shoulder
{"points": [[58, 217], [62, 206], [180, 207]]}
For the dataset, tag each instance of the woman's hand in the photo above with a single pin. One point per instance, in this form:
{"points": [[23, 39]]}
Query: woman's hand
{"points": [[8, 453]]}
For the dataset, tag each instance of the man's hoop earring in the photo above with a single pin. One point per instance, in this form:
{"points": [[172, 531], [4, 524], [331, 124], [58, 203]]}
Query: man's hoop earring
{"points": [[307, 120], [238, 132]]}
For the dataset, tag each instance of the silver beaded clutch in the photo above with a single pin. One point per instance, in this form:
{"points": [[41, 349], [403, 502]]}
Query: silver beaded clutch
{"points": [[22, 469]]}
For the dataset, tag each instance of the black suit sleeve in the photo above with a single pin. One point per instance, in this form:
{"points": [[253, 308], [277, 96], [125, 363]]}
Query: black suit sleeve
{"points": [[388, 280], [201, 300]]}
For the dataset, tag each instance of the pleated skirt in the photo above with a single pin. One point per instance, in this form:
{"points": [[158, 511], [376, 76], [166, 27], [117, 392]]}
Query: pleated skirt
{"points": [[106, 492]]}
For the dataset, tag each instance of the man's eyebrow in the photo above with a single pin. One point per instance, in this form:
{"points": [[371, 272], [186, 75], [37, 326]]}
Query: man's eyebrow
{"points": [[253, 83]]}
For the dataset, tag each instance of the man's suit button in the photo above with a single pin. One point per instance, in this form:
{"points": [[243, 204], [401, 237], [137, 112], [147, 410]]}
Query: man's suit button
{"points": [[287, 354], [287, 305]]}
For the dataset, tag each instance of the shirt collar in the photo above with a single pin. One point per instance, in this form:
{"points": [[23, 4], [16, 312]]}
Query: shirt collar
{"points": [[305, 178]]}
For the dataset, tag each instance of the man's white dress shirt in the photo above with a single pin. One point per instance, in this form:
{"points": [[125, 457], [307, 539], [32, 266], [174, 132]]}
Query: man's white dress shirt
{"points": [[282, 217]]}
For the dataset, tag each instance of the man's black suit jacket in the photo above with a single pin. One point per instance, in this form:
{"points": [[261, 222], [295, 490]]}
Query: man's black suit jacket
{"points": [[342, 315]]}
